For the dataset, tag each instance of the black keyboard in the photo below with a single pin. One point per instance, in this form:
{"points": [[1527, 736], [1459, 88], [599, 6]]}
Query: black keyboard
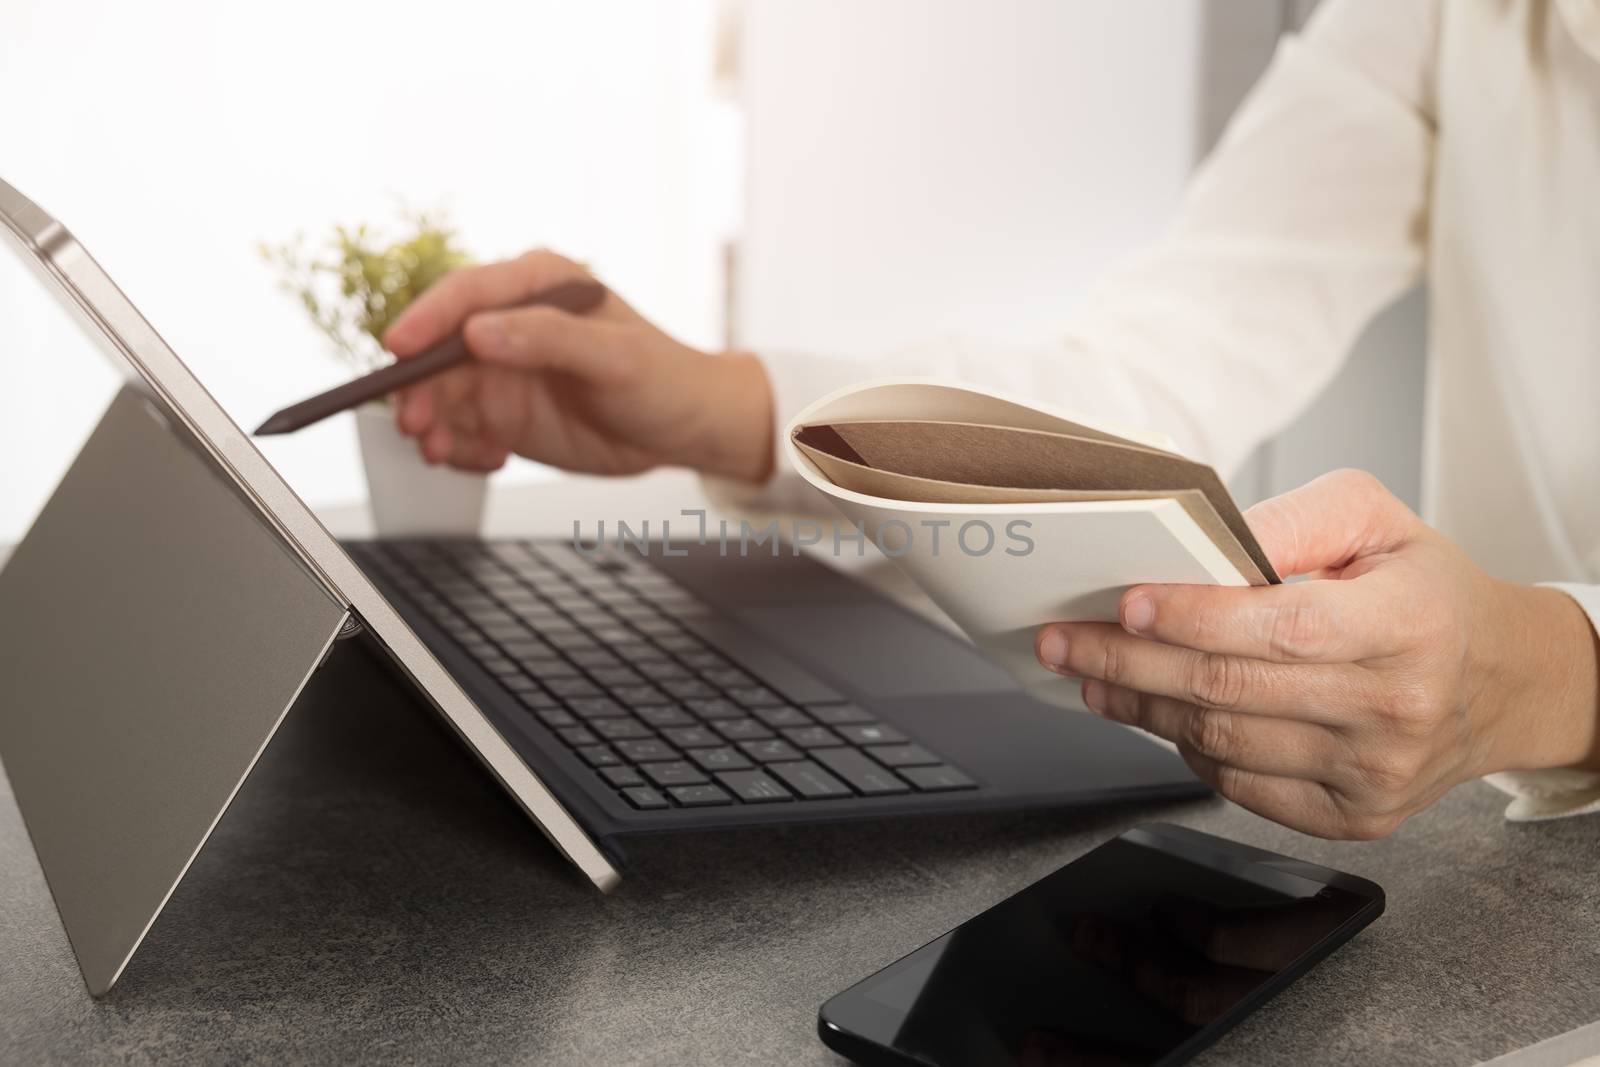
{"points": [[625, 668]]}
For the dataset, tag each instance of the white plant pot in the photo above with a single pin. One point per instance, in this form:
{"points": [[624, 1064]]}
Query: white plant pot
{"points": [[408, 498]]}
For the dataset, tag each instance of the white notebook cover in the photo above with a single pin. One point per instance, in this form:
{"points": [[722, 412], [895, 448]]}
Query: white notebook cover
{"points": [[1084, 554]]}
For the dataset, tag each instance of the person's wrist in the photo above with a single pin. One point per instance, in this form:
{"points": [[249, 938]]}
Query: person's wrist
{"points": [[1543, 680], [735, 439]]}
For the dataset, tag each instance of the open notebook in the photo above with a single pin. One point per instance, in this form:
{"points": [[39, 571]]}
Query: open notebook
{"points": [[1010, 515]]}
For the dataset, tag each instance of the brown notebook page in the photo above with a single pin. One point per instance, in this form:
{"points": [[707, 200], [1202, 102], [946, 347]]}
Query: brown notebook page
{"points": [[967, 463]]}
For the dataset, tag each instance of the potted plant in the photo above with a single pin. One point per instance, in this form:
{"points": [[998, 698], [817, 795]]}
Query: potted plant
{"points": [[353, 287]]}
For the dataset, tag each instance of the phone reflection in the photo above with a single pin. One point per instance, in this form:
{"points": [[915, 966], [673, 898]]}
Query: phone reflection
{"points": [[1119, 962], [1193, 961]]}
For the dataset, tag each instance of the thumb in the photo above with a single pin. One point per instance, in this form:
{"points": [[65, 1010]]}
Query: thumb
{"points": [[548, 339], [1330, 522]]}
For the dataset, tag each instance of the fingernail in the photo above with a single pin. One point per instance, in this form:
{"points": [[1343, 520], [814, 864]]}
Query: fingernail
{"points": [[1138, 612], [1053, 650], [1094, 695]]}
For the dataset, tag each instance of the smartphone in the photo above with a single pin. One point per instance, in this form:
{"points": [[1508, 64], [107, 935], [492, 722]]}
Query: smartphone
{"points": [[1144, 951]]}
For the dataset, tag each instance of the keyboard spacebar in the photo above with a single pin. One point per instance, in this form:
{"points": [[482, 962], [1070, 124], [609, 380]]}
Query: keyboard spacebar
{"points": [[755, 655]]}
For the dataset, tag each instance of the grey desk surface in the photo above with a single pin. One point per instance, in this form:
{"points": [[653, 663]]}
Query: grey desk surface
{"points": [[372, 896]]}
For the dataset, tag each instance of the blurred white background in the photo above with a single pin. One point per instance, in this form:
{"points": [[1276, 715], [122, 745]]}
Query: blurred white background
{"points": [[173, 135], [886, 170]]}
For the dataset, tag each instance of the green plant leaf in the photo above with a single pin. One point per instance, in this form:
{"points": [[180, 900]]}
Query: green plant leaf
{"points": [[360, 283]]}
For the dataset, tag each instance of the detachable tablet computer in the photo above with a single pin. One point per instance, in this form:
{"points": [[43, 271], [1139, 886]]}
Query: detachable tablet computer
{"points": [[168, 605]]}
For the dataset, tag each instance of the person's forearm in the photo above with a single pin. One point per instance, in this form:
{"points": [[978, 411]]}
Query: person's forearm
{"points": [[736, 435], [1547, 677]]}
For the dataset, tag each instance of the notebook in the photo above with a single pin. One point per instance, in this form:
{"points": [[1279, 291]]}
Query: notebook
{"points": [[1010, 514]]}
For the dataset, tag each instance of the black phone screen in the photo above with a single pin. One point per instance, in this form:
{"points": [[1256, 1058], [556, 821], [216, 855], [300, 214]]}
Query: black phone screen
{"points": [[1143, 951]]}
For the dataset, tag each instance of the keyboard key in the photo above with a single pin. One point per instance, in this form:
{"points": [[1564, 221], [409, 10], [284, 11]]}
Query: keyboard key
{"points": [[727, 677], [509, 552], [753, 787], [812, 736], [595, 659], [719, 759], [637, 653], [809, 780], [659, 715], [622, 730], [506, 589], [691, 737], [637, 694], [937, 778], [550, 667], [499, 665], [645, 751], [700, 796], [705, 660], [577, 736], [688, 688], [527, 648], [677, 772], [621, 777], [685, 610], [876, 733], [674, 595], [838, 714], [715, 708], [572, 687], [741, 729], [599, 756], [864, 775], [902, 755], [520, 684], [572, 642], [781, 716], [611, 677], [556, 718], [755, 696], [596, 708], [642, 796], [538, 700], [773, 751], [661, 670]]}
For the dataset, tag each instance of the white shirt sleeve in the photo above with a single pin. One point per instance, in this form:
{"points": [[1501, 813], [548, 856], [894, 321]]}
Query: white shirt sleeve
{"points": [[1555, 793], [1308, 218]]}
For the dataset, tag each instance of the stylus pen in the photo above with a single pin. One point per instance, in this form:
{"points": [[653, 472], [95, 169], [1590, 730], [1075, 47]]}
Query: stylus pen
{"points": [[576, 297]]}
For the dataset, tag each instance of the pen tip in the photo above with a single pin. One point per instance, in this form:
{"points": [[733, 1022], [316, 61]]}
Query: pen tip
{"points": [[275, 425]]}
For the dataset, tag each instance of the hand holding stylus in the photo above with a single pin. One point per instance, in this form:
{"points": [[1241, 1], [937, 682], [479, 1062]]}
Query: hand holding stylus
{"points": [[603, 392], [575, 296]]}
